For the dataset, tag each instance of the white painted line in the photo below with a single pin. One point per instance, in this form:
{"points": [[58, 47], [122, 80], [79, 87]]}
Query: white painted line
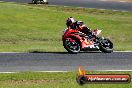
{"points": [[115, 70], [113, 1], [102, 9], [7, 72], [122, 51], [13, 52], [52, 71], [36, 71], [68, 71]]}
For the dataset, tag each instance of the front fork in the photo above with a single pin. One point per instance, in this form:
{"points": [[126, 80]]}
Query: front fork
{"points": [[97, 42]]}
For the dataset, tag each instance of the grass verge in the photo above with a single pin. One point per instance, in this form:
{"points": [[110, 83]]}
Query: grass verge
{"points": [[53, 80], [28, 28]]}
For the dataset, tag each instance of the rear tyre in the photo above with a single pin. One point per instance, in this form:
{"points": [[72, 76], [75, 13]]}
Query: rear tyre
{"points": [[106, 46], [71, 47]]}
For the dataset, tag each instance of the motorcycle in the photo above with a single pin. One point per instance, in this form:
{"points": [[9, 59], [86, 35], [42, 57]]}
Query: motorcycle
{"points": [[75, 41]]}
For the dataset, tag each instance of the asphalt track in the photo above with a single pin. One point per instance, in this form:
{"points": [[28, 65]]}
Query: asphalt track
{"points": [[100, 4], [62, 61]]}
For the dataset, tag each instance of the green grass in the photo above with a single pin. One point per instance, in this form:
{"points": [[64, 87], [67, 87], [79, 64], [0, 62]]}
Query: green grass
{"points": [[53, 80], [27, 28]]}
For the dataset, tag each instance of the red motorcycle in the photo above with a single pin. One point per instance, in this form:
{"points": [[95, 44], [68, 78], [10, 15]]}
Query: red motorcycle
{"points": [[75, 41]]}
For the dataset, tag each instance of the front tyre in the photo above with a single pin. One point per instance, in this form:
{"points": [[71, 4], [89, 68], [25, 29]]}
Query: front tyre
{"points": [[106, 45], [71, 46]]}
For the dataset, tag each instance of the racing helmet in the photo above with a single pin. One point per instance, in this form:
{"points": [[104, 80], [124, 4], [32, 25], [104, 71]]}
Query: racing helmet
{"points": [[70, 21]]}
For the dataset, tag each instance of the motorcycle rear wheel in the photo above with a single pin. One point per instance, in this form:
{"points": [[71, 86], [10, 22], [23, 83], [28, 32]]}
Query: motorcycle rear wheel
{"points": [[71, 47]]}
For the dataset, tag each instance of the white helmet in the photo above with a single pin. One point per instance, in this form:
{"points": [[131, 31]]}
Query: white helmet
{"points": [[70, 21]]}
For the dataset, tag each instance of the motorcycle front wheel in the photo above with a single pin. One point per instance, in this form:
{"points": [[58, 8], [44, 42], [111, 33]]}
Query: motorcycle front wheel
{"points": [[71, 47], [106, 45]]}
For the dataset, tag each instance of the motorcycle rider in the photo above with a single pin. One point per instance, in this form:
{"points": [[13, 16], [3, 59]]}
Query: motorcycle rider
{"points": [[80, 26]]}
